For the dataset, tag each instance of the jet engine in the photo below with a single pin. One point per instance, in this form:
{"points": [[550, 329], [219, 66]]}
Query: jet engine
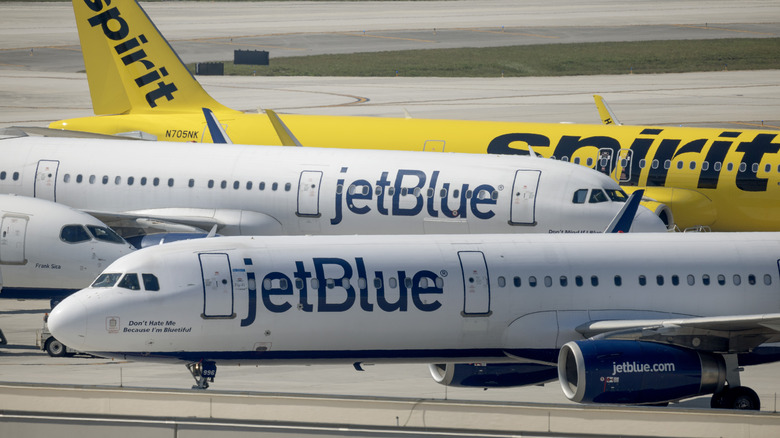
{"points": [[492, 375], [634, 372]]}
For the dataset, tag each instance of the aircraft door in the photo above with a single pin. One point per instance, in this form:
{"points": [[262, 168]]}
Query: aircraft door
{"points": [[217, 286], [476, 283], [523, 208], [13, 230], [46, 180], [433, 146], [309, 193], [624, 165], [604, 162]]}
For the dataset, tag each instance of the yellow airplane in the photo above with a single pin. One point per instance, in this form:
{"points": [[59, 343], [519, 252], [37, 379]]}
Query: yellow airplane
{"points": [[718, 179]]}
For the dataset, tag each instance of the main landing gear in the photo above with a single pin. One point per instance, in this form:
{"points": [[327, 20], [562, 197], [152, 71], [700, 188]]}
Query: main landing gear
{"points": [[203, 372], [734, 396]]}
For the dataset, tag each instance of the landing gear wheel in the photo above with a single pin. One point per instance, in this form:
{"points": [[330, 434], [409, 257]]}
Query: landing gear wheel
{"points": [[744, 398], [740, 397], [55, 348]]}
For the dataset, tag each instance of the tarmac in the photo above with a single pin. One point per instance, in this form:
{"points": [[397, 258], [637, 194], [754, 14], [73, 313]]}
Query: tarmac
{"points": [[40, 81]]}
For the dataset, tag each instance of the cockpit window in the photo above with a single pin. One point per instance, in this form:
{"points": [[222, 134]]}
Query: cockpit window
{"points": [[105, 234], [74, 234], [150, 282], [106, 280], [596, 196], [580, 196], [616, 195], [130, 281]]}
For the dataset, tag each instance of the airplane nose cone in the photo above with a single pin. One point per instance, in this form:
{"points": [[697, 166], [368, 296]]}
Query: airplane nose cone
{"points": [[68, 322], [645, 221]]}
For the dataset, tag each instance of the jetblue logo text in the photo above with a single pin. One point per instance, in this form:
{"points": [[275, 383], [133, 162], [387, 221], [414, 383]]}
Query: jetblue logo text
{"points": [[116, 29], [409, 192], [336, 285]]}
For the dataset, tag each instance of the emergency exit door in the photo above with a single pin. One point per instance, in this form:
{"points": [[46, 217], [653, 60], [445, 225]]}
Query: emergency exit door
{"points": [[13, 230], [309, 193], [46, 180], [217, 286]]}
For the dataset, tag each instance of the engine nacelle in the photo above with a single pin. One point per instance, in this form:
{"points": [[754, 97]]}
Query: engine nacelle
{"points": [[633, 372], [492, 375]]}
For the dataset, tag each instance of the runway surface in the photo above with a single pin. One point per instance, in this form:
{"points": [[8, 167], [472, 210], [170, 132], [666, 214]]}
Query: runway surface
{"points": [[40, 83]]}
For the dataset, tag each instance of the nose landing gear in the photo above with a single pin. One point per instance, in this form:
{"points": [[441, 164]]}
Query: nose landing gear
{"points": [[203, 372]]}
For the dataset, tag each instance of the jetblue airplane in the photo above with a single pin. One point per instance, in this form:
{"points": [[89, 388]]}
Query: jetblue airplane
{"points": [[676, 322], [141, 188], [51, 248]]}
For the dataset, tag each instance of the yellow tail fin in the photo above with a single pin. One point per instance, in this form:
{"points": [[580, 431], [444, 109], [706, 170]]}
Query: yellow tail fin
{"points": [[131, 68]]}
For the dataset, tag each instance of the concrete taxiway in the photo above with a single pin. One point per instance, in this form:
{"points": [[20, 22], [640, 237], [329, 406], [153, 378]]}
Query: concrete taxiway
{"points": [[40, 83]]}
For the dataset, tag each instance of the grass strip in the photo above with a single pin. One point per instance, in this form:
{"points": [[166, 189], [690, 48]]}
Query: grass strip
{"points": [[534, 60]]}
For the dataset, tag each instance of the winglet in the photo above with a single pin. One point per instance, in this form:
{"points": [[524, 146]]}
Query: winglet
{"points": [[625, 217], [605, 112], [218, 134], [285, 135]]}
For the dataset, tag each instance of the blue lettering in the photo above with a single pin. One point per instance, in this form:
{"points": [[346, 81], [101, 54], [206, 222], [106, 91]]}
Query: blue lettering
{"points": [[270, 290], [326, 283]]}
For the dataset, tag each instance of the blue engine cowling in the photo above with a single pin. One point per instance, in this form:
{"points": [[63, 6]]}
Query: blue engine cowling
{"points": [[492, 375], [634, 372]]}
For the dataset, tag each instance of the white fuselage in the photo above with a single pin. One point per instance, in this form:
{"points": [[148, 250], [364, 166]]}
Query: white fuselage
{"points": [[483, 298], [52, 248], [287, 191]]}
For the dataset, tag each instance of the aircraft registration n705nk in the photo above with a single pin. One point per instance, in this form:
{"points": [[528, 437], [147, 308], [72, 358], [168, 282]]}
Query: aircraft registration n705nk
{"points": [[675, 322], [724, 179], [140, 187], [51, 248]]}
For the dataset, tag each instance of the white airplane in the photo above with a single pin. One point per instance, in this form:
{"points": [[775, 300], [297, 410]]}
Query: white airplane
{"points": [[145, 187], [618, 318], [51, 248]]}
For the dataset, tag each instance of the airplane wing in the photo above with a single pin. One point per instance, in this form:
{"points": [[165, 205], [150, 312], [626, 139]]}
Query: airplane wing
{"points": [[188, 220], [722, 334]]}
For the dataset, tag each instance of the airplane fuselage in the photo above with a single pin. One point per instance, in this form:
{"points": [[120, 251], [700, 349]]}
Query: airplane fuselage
{"points": [[487, 298], [278, 190]]}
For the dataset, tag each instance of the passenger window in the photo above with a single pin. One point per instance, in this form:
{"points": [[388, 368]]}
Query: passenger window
{"points": [[330, 283], [618, 281], [315, 284], [66, 178], [705, 279], [408, 282], [501, 282], [130, 180], [667, 164], [642, 163], [249, 185], [517, 282], [455, 193], [705, 165], [642, 280], [191, 183], [742, 167], [105, 234], [767, 279], [362, 283], [548, 281], [79, 178], [288, 186], [298, 283], [659, 279], [261, 186], [692, 166], [16, 176], [377, 283], [143, 180], [721, 279], [439, 283], [737, 280], [691, 280], [223, 184], [580, 196], [675, 280], [117, 180], [716, 166], [532, 281], [130, 281], [156, 181], [345, 283], [2, 175], [751, 279], [730, 167], [236, 185], [596, 196], [210, 184], [106, 280], [594, 280], [679, 164], [578, 281], [393, 283], [274, 186], [105, 179], [589, 162], [655, 164], [564, 281], [150, 282]]}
